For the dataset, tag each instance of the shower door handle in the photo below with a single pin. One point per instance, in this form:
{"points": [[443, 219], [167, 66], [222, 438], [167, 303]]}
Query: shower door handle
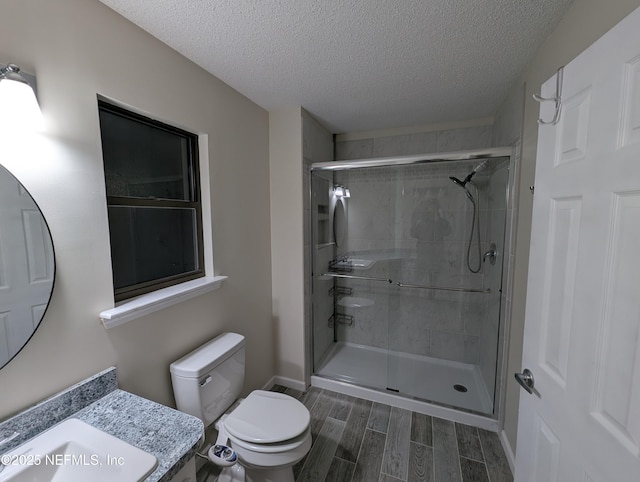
{"points": [[525, 379]]}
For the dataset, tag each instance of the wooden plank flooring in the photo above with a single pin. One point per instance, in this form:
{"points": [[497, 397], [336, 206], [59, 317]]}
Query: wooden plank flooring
{"points": [[355, 440]]}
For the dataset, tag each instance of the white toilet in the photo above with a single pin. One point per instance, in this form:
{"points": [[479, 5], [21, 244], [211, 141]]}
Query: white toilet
{"points": [[268, 431]]}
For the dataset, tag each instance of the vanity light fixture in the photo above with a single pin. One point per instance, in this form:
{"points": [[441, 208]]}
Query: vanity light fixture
{"points": [[18, 100]]}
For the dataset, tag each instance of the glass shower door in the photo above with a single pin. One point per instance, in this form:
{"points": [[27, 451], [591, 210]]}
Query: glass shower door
{"points": [[402, 299], [444, 304]]}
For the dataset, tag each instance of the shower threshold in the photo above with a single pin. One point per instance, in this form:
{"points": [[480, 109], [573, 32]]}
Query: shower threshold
{"points": [[426, 378]]}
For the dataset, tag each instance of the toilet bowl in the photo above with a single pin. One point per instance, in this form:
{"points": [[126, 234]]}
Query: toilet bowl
{"points": [[268, 432]]}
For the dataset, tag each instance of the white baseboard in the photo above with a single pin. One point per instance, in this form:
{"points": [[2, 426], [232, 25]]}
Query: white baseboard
{"points": [[285, 382], [508, 451]]}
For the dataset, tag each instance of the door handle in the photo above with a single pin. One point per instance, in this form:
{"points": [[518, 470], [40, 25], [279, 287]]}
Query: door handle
{"points": [[525, 379]]}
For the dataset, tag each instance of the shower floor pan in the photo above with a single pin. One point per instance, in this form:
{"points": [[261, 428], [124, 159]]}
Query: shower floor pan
{"points": [[430, 379]]}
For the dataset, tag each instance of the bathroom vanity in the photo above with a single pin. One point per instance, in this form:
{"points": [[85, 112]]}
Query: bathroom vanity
{"points": [[172, 437]]}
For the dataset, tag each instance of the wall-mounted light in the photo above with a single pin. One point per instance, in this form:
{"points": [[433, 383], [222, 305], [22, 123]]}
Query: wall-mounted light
{"points": [[18, 100], [341, 191]]}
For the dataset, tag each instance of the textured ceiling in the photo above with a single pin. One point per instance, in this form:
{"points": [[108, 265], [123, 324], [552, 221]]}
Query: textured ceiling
{"points": [[358, 65]]}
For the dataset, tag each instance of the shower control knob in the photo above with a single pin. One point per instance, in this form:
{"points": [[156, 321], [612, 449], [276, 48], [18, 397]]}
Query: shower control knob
{"points": [[525, 379]]}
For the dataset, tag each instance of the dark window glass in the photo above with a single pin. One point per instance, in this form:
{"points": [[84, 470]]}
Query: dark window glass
{"points": [[151, 243], [151, 177]]}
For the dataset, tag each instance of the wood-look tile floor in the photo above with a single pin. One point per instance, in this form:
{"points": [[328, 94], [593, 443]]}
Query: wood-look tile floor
{"points": [[356, 440]]}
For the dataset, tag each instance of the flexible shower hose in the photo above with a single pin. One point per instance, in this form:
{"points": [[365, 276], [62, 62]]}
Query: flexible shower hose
{"points": [[474, 224]]}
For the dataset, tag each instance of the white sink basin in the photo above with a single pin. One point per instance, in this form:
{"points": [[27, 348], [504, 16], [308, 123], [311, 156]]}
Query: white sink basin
{"points": [[74, 451]]}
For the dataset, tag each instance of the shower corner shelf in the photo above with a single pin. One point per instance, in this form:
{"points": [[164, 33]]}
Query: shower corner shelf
{"points": [[351, 264], [341, 319]]}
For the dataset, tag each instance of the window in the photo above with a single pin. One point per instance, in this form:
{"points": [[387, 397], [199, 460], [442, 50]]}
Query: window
{"points": [[153, 201]]}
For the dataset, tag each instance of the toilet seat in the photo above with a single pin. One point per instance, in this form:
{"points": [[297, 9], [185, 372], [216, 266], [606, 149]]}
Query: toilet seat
{"points": [[272, 448], [265, 420], [268, 430]]}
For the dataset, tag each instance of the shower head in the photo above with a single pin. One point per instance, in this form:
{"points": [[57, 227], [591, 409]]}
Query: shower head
{"points": [[473, 172], [458, 182], [463, 185], [477, 168]]}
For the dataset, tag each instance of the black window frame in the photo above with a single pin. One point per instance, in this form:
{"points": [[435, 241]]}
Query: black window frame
{"points": [[125, 293]]}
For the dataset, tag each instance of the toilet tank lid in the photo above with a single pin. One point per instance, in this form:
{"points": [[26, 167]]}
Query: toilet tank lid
{"points": [[205, 358]]}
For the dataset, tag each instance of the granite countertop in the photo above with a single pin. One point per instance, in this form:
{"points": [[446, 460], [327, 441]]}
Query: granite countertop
{"points": [[172, 436]]}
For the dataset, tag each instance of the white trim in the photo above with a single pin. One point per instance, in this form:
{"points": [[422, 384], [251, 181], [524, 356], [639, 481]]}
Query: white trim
{"points": [[205, 204], [508, 451], [157, 300], [406, 403], [285, 382], [399, 131]]}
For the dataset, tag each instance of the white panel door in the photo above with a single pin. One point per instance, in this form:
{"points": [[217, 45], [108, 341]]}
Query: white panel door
{"points": [[582, 325], [26, 267]]}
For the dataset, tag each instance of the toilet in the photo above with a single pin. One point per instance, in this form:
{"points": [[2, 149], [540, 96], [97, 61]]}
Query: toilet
{"points": [[263, 436]]}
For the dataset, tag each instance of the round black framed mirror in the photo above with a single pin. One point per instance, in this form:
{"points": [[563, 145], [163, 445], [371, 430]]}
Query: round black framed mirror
{"points": [[27, 266]]}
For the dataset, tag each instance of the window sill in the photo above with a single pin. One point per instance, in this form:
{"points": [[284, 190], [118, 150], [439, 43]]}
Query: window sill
{"points": [[146, 304]]}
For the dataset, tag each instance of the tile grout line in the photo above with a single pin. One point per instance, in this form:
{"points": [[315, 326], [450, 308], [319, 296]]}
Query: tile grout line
{"points": [[455, 434], [308, 458], [484, 456], [313, 442], [351, 404], [386, 441], [433, 450], [433, 458], [481, 451], [344, 460], [355, 465], [471, 458], [369, 418]]}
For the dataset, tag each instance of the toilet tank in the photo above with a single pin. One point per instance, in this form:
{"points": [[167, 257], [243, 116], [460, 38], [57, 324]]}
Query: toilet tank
{"points": [[209, 379]]}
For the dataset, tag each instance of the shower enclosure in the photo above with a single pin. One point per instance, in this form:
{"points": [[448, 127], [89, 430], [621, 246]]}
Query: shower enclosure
{"points": [[407, 263]]}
